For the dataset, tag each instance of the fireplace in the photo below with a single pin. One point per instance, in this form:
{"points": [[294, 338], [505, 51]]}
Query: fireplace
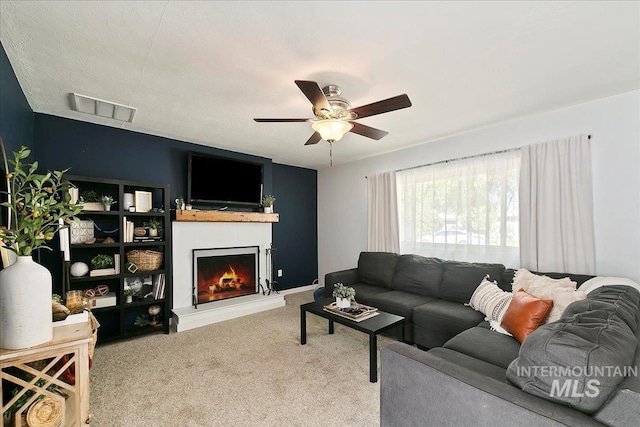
{"points": [[190, 236], [223, 273]]}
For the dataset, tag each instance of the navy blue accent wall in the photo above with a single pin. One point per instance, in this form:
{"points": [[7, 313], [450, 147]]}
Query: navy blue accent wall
{"points": [[102, 151], [295, 237], [16, 116], [107, 152]]}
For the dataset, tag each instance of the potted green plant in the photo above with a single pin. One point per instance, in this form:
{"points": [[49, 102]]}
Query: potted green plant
{"points": [[90, 201], [142, 320], [153, 225], [101, 261], [343, 294], [39, 205], [129, 293], [106, 201], [180, 203], [267, 203]]}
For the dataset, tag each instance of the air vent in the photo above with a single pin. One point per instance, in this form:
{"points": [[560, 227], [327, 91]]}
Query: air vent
{"points": [[102, 108]]}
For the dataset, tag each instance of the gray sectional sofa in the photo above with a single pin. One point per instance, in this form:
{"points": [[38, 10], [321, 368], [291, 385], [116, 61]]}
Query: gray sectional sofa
{"points": [[453, 370]]}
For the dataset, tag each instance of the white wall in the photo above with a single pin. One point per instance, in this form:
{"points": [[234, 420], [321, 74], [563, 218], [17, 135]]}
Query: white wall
{"points": [[614, 124]]}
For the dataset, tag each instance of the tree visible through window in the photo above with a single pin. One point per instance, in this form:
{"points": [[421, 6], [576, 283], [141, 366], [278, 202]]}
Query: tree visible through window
{"points": [[464, 209]]}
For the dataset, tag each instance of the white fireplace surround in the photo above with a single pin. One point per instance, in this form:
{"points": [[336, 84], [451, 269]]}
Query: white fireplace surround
{"points": [[188, 236]]}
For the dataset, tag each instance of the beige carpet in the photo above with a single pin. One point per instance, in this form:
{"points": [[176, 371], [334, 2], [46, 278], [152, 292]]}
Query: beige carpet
{"points": [[250, 371]]}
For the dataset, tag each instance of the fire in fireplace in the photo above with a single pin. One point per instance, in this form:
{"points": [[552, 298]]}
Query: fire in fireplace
{"points": [[223, 273]]}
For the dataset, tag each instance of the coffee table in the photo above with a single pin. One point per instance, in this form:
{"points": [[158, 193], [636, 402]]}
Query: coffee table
{"points": [[372, 327]]}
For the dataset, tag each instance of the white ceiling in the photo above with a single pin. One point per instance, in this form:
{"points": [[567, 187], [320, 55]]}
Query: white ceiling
{"points": [[201, 71]]}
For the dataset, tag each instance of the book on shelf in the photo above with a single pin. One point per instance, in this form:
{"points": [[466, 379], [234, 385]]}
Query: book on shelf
{"points": [[146, 239], [108, 300], [159, 288], [128, 227], [73, 319], [357, 312], [116, 263], [156, 286], [102, 272]]}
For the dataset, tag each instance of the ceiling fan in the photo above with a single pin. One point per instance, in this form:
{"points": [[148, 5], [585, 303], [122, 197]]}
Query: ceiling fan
{"points": [[334, 116]]}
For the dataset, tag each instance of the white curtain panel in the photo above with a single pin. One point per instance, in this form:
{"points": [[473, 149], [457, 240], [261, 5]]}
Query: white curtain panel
{"points": [[382, 213], [464, 209], [556, 207]]}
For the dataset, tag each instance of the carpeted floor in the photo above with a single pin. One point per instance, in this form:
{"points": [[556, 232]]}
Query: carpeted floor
{"points": [[250, 371]]}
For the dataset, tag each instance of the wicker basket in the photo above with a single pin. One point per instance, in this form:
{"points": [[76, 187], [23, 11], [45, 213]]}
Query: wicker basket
{"points": [[145, 260]]}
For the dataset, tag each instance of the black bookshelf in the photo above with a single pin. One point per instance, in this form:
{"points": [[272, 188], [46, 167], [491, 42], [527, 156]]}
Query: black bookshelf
{"points": [[118, 317]]}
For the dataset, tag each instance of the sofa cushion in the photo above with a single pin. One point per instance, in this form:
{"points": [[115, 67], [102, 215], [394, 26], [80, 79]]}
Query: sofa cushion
{"points": [[561, 291], [471, 363], [365, 292], [486, 345], [525, 314], [399, 302], [592, 336], [509, 273], [490, 300], [377, 268], [599, 281], [460, 279], [418, 274], [445, 319]]}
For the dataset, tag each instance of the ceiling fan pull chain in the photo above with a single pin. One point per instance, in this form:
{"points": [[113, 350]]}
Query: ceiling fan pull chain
{"points": [[330, 154]]}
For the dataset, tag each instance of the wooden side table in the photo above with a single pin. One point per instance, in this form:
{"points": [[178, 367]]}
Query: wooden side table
{"points": [[70, 345]]}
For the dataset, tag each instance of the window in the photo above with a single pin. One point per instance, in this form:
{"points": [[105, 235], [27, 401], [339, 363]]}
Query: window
{"points": [[463, 209]]}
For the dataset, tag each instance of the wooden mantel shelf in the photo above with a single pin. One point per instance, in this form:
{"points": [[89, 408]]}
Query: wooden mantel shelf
{"points": [[225, 216]]}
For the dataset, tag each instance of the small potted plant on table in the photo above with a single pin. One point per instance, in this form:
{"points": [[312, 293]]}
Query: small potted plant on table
{"points": [[344, 295]]}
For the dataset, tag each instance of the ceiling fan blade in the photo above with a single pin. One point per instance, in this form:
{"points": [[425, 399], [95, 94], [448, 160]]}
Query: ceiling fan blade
{"points": [[313, 92], [384, 106], [315, 138], [280, 120], [368, 131]]}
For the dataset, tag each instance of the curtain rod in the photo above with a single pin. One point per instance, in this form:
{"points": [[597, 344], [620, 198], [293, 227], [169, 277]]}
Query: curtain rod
{"points": [[461, 158], [464, 158]]}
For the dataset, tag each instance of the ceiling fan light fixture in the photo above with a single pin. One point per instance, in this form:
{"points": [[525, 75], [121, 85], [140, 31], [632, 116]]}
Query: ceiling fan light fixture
{"points": [[331, 130]]}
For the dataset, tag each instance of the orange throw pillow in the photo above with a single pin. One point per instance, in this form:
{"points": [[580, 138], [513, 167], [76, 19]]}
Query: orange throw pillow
{"points": [[525, 314]]}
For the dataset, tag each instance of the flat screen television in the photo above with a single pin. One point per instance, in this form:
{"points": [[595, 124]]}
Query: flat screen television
{"points": [[214, 180]]}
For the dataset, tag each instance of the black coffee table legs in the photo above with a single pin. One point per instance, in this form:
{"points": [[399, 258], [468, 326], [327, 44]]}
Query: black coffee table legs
{"points": [[373, 345], [303, 327], [373, 358]]}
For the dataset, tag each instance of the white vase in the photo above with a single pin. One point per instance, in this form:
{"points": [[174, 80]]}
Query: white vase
{"points": [[107, 207], [153, 232], [343, 302], [25, 305], [268, 209]]}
